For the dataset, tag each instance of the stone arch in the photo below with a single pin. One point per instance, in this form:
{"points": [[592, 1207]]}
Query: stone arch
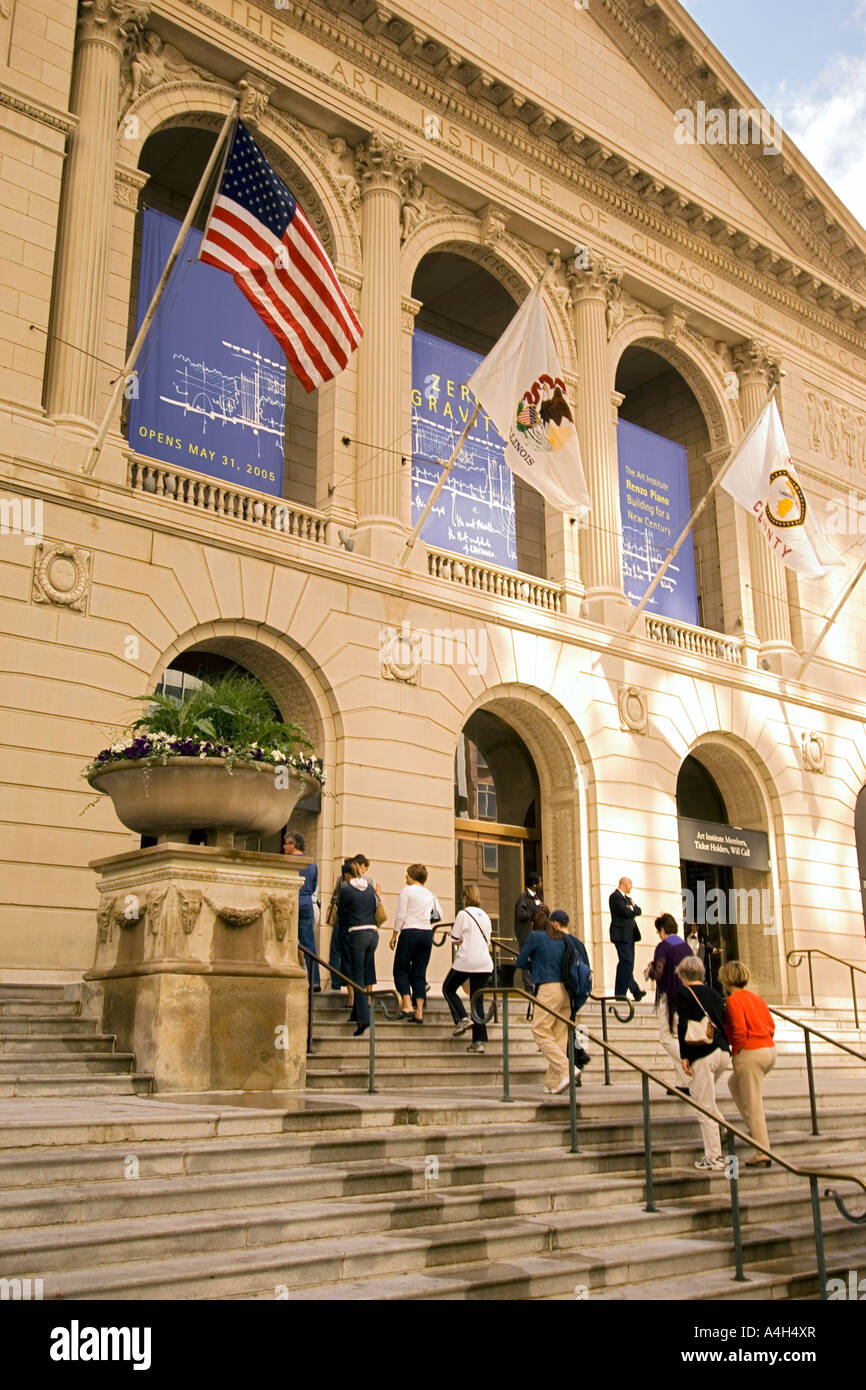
{"points": [[294, 153], [702, 372], [752, 802], [510, 261], [565, 777], [298, 686]]}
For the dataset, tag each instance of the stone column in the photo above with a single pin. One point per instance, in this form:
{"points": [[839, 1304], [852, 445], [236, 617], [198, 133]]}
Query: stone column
{"points": [[84, 239], [602, 536], [758, 370], [385, 167]]}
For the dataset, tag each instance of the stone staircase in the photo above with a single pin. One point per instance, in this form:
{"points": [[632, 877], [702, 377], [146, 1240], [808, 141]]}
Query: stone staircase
{"points": [[430, 1189], [48, 1049]]}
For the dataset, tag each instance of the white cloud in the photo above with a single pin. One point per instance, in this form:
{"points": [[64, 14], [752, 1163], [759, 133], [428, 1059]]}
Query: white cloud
{"points": [[826, 118]]}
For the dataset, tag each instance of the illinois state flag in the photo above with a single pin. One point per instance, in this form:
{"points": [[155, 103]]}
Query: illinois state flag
{"points": [[763, 479], [520, 386], [257, 232]]}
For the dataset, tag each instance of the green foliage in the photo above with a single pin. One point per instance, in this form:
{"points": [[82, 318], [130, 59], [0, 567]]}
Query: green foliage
{"points": [[233, 709]]}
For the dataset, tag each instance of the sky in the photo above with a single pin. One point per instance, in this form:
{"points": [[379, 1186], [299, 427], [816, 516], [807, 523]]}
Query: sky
{"points": [[806, 62]]}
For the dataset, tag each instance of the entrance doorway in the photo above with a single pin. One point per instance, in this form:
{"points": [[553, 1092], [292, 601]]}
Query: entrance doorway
{"points": [[709, 901], [496, 817]]}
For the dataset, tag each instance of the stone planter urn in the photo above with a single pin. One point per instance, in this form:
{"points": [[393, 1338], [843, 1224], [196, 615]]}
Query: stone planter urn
{"points": [[168, 800]]}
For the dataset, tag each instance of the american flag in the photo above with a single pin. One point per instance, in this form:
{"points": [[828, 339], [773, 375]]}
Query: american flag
{"points": [[257, 232]]}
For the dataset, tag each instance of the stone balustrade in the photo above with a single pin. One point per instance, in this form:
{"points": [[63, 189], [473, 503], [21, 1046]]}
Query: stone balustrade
{"points": [[489, 579], [208, 495], [696, 640]]}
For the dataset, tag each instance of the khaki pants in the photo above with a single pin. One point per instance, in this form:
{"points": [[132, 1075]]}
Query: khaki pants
{"points": [[703, 1089], [670, 1042], [550, 1033], [750, 1067]]}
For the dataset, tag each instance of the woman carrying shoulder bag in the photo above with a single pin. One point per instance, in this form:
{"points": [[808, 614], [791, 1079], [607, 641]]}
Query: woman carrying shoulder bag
{"points": [[472, 961], [750, 1029], [704, 1050]]}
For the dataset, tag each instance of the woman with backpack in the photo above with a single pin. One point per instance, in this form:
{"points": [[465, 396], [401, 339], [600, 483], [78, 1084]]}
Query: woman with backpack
{"points": [[543, 953], [472, 961]]}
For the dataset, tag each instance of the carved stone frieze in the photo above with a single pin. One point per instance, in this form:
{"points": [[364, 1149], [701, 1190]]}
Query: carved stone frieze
{"points": [[633, 710], [149, 62], [593, 279], [128, 183], [836, 429], [236, 915], [61, 575], [412, 209], [282, 912]]}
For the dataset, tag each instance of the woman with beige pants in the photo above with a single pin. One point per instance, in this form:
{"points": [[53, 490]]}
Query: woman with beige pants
{"points": [[542, 951], [750, 1029]]}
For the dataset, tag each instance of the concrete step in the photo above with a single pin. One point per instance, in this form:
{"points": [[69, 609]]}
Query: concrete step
{"points": [[597, 1250], [55, 1044], [77, 1083], [36, 993], [61, 1064], [40, 1025], [17, 1007]]}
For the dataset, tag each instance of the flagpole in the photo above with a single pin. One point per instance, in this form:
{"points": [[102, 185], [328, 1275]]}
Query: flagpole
{"points": [[663, 569], [833, 615], [447, 467], [443, 477], [91, 460]]}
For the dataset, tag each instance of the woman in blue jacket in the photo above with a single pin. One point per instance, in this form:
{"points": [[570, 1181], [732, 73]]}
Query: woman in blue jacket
{"points": [[542, 953]]}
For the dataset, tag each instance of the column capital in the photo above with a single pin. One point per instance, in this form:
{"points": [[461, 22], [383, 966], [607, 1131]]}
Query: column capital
{"points": [[756, 363], [385, 163], [598, 280], [110, 21]]}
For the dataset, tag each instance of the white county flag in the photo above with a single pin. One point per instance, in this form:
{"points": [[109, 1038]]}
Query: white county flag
{"points": [[520, 386], [763, 479]]}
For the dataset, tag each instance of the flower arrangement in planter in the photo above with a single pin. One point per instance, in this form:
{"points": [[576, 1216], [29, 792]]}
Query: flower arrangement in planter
{"points": [[219, 760]]}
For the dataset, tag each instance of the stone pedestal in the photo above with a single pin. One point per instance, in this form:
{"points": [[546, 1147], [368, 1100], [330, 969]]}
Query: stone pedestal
{"points": [[197, 970]]}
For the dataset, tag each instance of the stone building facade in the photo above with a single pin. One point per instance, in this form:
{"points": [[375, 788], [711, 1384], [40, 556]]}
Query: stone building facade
{"points": [[685, 280]]}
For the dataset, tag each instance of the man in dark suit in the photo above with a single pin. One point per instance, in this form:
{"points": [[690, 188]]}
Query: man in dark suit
{"points": [[527, 903], [624, 933]]}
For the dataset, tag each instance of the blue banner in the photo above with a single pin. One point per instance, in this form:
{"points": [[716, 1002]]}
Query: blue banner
{"points": [[474, 513], [211, 377], [655, 505]]}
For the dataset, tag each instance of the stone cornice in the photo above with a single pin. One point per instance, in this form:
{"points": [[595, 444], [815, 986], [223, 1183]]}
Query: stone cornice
{"points": [[62, 121], [652, 40], [550, 144]]}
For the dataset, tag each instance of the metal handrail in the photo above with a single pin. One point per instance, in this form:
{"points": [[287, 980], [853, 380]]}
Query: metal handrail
{"points": [[813, 1175], [381, 997], [825, 1037], [608, 1002], [809, 952]]}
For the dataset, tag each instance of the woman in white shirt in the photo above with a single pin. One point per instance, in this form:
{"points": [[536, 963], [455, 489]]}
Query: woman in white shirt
{"points": [[471, 932], [413, 939]]}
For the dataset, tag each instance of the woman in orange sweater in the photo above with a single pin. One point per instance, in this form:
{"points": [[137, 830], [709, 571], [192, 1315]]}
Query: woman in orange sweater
{"points": [[749, 1027]]}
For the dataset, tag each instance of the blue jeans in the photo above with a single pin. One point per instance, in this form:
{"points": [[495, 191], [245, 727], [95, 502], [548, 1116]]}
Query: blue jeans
{"points": [[307, 937], [625, 979], [362, 943], [339, 955]]}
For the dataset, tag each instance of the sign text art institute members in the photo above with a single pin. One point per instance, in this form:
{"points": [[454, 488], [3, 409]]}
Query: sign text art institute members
{"points": [[624, 933]]}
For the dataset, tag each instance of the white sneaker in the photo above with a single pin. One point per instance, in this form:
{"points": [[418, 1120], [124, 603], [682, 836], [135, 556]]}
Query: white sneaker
{"points": [[462, 1026], [710, 1165], [563, 1086], [475, 1047]]}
